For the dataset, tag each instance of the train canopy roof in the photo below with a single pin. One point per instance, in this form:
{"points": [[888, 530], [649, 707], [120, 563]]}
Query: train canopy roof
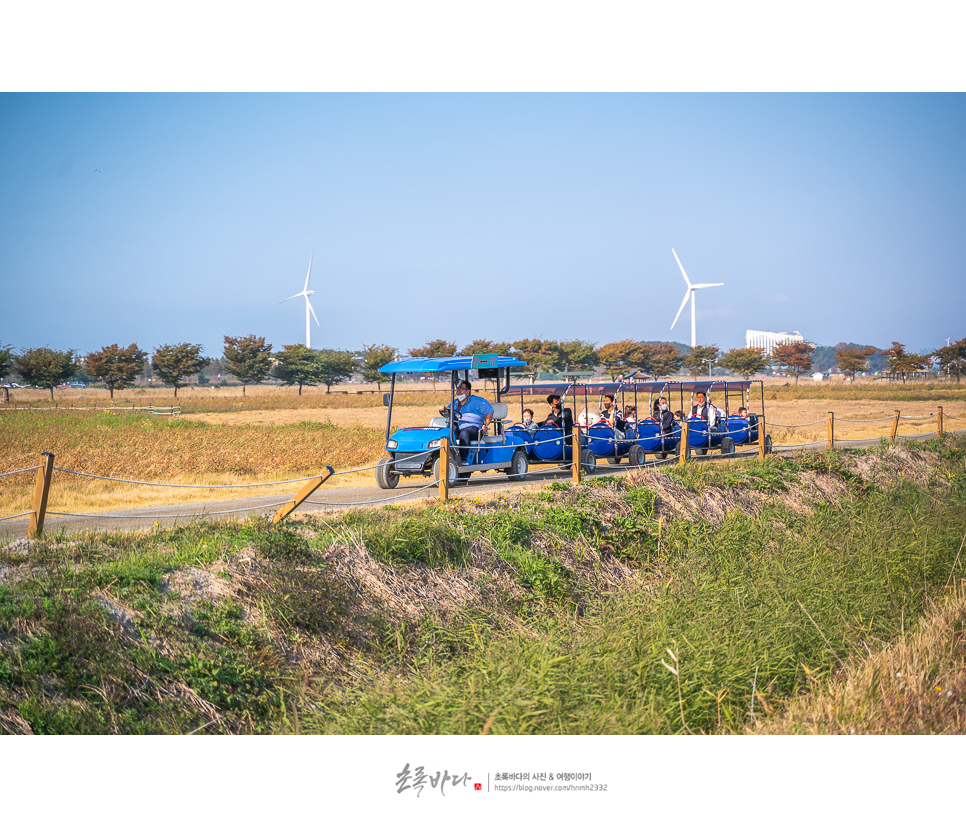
{"points": [[544, 389], [415, 365]]}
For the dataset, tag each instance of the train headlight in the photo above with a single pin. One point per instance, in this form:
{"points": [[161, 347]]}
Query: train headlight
{"points": [[435, 444], [392, 444]]}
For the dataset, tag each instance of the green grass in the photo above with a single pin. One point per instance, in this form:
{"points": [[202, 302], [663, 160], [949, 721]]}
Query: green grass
{"points": [[744, 609]]}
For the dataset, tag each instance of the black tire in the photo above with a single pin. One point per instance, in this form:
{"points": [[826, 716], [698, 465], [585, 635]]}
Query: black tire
{"points": [[385, 478], [614, 460], [454, 478], [768, 446], [519, 466], [636, 455], [727, 446], [701, 452], [588, 462]]}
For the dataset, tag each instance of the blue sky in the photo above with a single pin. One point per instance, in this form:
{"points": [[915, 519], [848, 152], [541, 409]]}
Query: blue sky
{"points": [[161, 218]]}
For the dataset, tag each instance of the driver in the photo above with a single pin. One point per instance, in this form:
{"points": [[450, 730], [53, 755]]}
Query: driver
{"points": [[471, 415]]}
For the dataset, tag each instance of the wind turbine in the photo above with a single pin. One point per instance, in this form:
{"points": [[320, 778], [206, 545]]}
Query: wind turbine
{"points": [[689, 292], [308, 304]]}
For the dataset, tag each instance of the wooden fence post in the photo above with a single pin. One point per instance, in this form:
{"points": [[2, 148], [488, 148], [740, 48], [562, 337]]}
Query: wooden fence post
{"points": [[895, 428], [444, 469], [575, 455], [685, 448], [302, 494], [940, 416], [761, 438], [41, 491], [831, 430]]}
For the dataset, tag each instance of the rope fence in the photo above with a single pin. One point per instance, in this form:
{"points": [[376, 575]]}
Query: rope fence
{"points": [[673, 448], [19, 471]]}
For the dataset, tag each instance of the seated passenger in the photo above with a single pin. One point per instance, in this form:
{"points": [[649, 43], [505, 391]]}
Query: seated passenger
{"points": [[704, 409], [562, 418], [663, 416], [527, 422], [610, 414], [471, 417], [630, 416], [743, 412]]}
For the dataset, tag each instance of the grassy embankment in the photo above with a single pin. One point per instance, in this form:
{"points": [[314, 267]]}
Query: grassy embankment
{"points": [[746, 597]]}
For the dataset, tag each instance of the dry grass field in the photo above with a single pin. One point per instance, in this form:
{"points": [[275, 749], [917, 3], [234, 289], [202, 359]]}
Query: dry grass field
{"points": [[273, 434]]}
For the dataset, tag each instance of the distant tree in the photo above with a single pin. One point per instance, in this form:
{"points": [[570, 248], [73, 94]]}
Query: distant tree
{"points": [[335, 366], [175, 362], [478, 346], [696, 362], [213, 369], [620, 358], [824, 358], [296, 365], [435, 349], [373, 358], [660, 359], [46, 368], [248, 359], [540, 354], [903, 363], [115, 367], [952, 359], [6, 362], [854, 360], [745, 362], [578, 355], [795, 357]]}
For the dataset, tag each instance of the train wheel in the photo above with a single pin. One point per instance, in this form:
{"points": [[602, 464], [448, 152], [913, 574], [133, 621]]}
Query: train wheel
{"points": [[519, 466], [636, 455], [453, 478], [588, 462], [768, 446], [727, 446], [386, 479]]}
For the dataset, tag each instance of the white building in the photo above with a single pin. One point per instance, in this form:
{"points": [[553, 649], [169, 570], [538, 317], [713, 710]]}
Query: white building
{"points": [[768, 340]]}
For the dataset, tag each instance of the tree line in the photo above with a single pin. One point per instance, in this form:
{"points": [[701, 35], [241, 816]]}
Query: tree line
{"points": [[250, 360]]}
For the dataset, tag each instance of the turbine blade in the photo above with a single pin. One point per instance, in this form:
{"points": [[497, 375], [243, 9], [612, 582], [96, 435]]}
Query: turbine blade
{"points": [[702, 286], [290, 298], [686, 279], [309, 304], [681, 309], [309, 273]]}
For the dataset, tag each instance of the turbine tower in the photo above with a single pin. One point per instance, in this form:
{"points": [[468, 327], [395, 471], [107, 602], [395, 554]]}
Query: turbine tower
{"points": [[689, 292], [308, 304]]}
